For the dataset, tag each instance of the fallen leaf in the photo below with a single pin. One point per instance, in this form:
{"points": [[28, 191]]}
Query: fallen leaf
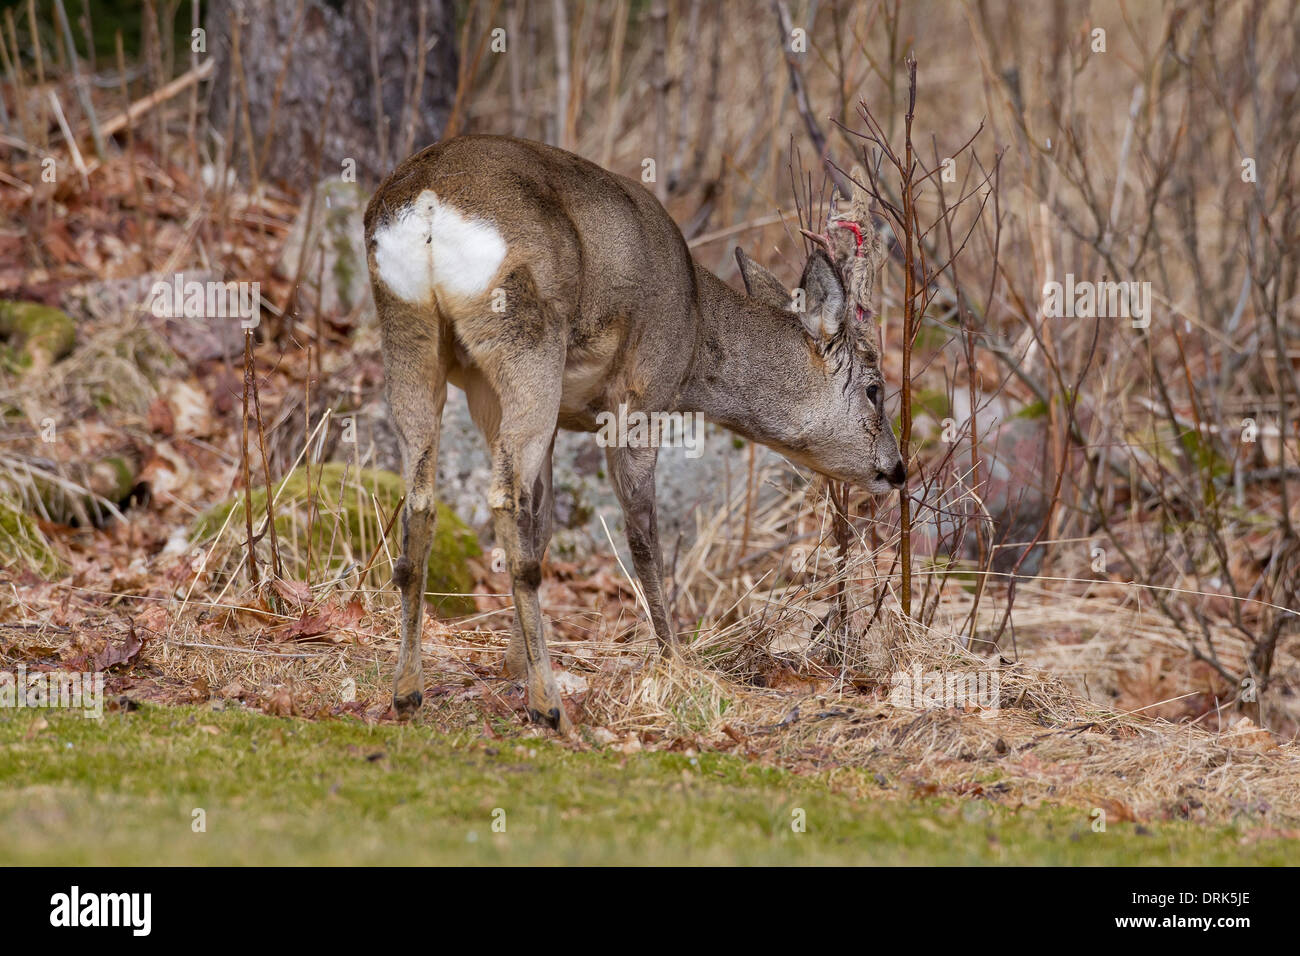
{"points": [[570, 683], [114, 654], [1118, 811], [297, 593], [1245, 733], [189, 410], [160, 418], [281, 704], [328, 621]]}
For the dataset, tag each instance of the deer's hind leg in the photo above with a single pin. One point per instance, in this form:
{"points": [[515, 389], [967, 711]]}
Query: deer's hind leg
{"points": [[543, 516], [485, 410], [415, 376], [526, 394]]}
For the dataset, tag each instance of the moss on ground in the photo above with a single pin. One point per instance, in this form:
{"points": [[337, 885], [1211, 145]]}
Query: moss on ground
{"points": [[22, 544], [38, 335], [125, 790], [345, 527]]}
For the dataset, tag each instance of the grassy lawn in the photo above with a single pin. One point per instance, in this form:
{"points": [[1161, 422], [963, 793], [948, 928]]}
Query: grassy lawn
{"points": [[124, 790]]}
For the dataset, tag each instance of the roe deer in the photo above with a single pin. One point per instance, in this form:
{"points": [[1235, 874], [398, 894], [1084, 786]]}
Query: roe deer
{"points": [[550, 291]]}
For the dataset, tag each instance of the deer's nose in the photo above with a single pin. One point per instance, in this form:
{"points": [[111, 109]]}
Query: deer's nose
{"points": [[897, 476]]}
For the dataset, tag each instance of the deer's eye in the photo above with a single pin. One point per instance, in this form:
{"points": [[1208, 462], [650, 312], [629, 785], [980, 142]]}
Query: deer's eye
{"points": [[873, 394]]}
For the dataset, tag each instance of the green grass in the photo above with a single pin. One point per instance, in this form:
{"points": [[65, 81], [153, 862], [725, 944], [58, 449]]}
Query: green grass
{"points": [[124, 789]]}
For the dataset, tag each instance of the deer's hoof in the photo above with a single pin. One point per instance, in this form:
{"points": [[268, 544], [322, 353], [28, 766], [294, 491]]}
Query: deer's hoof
{"points": [[550, 718], [544, 703], [555, 718], [405, 705]]}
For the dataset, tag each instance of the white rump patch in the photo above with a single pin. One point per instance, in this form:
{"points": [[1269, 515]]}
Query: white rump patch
{"points": [[430, 246]]}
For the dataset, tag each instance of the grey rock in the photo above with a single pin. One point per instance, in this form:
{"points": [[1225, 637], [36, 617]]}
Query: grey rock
{"points": [[1012, 453], [327, 244]]}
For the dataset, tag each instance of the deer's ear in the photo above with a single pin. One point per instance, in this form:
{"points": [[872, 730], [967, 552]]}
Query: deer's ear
{"points": [[761, 284], [819, 300]]}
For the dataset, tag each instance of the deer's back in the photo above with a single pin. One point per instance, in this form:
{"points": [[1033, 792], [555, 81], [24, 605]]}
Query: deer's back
{"points": [[478, 215]]}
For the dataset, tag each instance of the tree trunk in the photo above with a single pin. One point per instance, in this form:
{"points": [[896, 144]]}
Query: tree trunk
{"points": [[352, 83]]}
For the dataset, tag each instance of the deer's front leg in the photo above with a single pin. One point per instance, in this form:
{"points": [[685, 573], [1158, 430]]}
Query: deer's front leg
{"points": [[632, 470]]}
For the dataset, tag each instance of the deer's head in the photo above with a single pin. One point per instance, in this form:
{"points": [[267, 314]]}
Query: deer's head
{"points": [[839, 425]]}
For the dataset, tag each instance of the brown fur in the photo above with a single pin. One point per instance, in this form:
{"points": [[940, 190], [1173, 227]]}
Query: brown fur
{"points": [[604, 305]]}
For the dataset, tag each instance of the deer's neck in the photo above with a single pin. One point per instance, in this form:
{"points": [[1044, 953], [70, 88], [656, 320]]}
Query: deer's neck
{"points": [[745, 374]]}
